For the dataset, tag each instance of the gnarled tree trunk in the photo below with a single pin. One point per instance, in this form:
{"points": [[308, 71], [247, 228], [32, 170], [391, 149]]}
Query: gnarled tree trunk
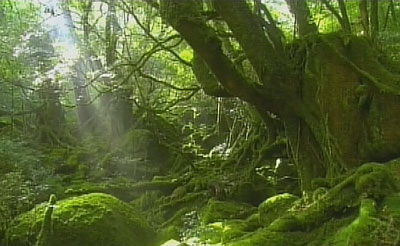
{"points": [[336, 96]]}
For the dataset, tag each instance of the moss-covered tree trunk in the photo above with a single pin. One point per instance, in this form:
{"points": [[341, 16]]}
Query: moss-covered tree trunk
{"points": [[336, 96]]}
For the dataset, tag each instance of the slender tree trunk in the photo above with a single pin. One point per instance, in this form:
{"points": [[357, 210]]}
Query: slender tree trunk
{"points": [[363, 8], [345, 17], [374, 20]]}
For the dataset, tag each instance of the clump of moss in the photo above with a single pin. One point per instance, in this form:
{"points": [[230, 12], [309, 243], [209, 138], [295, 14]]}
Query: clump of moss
{"points": [[373, 180], [362, 231], [92, 219], [223, 232]]}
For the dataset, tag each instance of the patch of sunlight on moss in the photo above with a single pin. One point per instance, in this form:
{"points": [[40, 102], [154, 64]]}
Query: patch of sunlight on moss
{"points": [[217, 225], [186, 55], [171, 242]]}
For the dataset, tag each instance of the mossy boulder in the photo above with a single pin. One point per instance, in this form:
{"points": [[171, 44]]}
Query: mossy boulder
{"points": [[92, 219]]}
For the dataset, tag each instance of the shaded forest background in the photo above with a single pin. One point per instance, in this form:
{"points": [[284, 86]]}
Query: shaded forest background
{"points": [[241, 99]]}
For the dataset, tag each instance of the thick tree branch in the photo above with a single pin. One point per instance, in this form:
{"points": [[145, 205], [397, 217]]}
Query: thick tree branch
{"points": [[304, 22], [342, 18], [187, 20], [274, 33], [249, 32], [346, 22], [206, 78]]}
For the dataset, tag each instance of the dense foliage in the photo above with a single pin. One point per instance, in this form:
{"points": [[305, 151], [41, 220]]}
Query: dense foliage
{"points": [[245, 122]]}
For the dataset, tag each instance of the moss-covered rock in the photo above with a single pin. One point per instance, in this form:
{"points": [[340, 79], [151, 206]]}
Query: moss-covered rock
{"points": [[92, 219]]}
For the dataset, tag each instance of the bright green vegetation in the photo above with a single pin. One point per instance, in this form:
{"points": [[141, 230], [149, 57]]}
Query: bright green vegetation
{"points": [[199, 122], [93, 219]]}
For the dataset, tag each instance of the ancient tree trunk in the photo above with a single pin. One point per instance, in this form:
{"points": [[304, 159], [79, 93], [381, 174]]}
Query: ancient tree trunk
{"points": [[334, 95]]}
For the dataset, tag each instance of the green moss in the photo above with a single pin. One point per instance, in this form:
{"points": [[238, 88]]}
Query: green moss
{"points": [[169, 232], [265, 237], [287, 222], [391, 205], [253, 222], [93, 219], [274, 207], [224, 232], [122, 188], [251, 192], [221, 210], [374, 180], [394, 168], [362, 231], [319, 193]]}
